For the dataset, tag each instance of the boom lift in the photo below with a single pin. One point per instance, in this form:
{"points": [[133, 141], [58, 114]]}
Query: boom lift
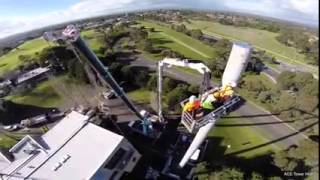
{"points": [[236, 64], [168, 62]]}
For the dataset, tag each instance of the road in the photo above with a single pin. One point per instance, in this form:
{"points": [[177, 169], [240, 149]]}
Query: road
{"points": [[259, 119], [271, 73]]}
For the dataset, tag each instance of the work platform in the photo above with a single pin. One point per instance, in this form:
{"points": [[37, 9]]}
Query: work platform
{"points": [[194, 124]]}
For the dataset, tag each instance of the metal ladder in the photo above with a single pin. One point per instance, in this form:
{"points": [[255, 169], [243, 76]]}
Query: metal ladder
{"points": [[193, 125]]}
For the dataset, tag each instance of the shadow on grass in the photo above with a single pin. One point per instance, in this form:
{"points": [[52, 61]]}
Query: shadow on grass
{"points": [[160, 41], [253, 115], [274, 141], [253, 124], [215, 160], [15, 112]]}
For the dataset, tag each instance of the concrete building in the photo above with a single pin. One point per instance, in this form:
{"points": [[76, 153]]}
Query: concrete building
{"points": [[34, 74], [72, 149]]}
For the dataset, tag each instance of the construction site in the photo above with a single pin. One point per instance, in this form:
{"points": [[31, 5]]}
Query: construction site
{"points": [[152, 145]]}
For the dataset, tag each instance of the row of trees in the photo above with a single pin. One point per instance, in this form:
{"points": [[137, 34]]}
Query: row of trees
{"points": [[257, 24], [295, 96], [304, 42], [195, 33], [300, 159]]}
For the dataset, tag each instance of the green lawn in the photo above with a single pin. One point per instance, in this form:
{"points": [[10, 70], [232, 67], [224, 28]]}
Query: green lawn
{"points": [[10, 60], [260, 39], [190, 47], [140, 95], [6, 141], [238, 136], [43, 95], [91, 37]]}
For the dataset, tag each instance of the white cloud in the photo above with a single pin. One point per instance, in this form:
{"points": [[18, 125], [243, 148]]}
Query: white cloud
{"points": [[309, 7], [299, 10]]}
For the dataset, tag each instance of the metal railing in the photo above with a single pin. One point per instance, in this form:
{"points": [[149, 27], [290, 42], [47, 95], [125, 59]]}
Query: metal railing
{"points": [[193, 124]]}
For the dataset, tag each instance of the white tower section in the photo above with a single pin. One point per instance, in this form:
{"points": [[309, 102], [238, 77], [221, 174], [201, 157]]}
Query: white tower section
{"points": [[237, 63]]}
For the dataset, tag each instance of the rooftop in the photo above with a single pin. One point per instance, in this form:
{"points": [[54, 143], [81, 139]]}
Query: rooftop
{"points": [[31, 74], [73, 148]]}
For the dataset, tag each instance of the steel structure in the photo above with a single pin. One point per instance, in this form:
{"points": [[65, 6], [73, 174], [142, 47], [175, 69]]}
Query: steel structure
{"points": [[236, 65]]}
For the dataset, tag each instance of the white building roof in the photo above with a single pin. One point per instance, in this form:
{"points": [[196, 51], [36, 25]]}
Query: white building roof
{"points": [[73, 149], [31, 74]]}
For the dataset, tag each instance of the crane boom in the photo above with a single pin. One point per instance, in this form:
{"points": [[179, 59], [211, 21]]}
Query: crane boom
{"points": [[72, 35]]}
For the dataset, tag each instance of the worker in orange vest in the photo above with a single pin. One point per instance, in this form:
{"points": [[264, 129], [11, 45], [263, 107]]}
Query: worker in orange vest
{"points": [[192, 105]]}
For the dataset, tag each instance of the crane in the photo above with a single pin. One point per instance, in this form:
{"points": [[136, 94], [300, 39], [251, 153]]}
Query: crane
{"points": [[71, 34]]}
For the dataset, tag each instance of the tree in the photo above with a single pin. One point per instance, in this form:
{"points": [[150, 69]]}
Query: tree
{"points": [[152, 82], [171, 54], [256, 176], [286, 101], [229, 173], [177, 95], [254, 84], [193, 89], [141, 78], [286, 80], [307, 103], [196, 33], [24, 58], [168, 84], [127, 73], [302, 79], [181, 28], [56, 55], [311, 89], [5, 50], [281, 160], [152, 29], [265, 96], [115, 69], [217, 66], [298, 158], [147, 45]]}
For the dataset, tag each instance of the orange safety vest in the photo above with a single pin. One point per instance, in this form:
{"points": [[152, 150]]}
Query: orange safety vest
{"points": [[191, 106]]}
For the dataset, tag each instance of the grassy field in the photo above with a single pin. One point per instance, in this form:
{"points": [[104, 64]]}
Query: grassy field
{"points": [[166, 37], [43, 95], [91, 38], [140, 95], [241, 137], [10, 61], [6, 141], [263, 40]]}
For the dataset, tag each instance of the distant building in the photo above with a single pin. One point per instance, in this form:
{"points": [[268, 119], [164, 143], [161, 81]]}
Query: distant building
{"points": [[72, 149], [37, 74]]}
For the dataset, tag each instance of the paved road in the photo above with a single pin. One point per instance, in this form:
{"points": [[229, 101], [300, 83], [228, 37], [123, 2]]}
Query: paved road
{"points": [[272, 74], [258, 118]]}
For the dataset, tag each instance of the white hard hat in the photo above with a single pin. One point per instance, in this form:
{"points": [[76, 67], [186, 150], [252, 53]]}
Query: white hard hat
{"points": [[233, 84], [211, 97], [192, 98]]}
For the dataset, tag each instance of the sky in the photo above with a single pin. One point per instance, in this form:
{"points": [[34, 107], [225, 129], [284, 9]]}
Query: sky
{"points": [[23, 15]]}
